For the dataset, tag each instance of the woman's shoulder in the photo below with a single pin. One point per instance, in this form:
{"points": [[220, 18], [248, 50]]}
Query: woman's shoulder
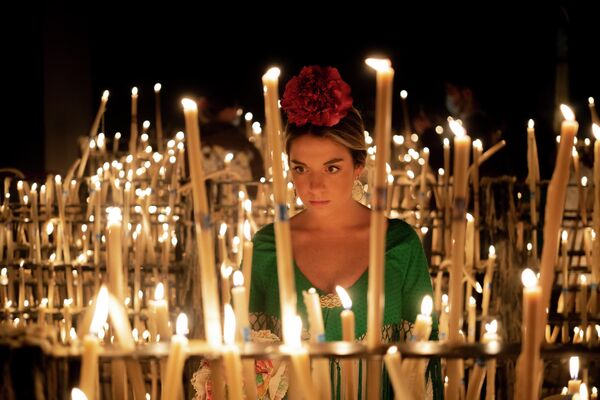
{"points": [[265, 236], [399, 232]]}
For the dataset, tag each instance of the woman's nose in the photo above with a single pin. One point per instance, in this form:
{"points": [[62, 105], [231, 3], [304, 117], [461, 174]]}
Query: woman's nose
{"points": [[316, 181]]}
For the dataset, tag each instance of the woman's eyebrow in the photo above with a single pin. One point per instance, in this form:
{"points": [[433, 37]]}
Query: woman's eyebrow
{"points": [[332, 161]]}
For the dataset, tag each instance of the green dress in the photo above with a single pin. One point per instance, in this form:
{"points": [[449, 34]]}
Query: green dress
{"points": [[407, 281]]}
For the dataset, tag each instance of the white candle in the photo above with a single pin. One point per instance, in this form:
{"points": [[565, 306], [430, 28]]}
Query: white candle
{"points": [[177, 355], [444, 318], [393, 364], [88, 377], [114, 253], [158, 117], [299, 357], [247, 258], [231, 356], [160, 310], [285, 271], [422, 328], [487, 281], [471, 319], [315, 316], [240, 304], [203, 227], [462, 147], [350, 389], [491, 336], [134, 125], [527, 375], [77, 394], [574, 383], [554, 211], [596, 220]]}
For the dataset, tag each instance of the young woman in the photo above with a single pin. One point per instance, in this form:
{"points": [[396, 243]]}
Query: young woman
{"points": [[330, 238]]}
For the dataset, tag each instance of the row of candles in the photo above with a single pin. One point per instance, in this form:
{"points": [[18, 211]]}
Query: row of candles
{"points": [[212, 318]]}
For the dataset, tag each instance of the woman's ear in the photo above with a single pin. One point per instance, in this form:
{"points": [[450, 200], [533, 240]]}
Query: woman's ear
{"points": [[358, 170]]}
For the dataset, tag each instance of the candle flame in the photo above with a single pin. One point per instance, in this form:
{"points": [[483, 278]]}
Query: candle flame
{"points": [[157, 87], [492, 251], [228, 158], [238, 278], [272, 73], [584, 180], [392, 350], [114, 216], [574, 367], [529, 278], [77, 394], [477, 144], [379, 64], [530, 124], [583, 279], [58, 179], [105, 96], [223, 229], [159, 292], [594, 390], [492, 327], [596, 131], [427, 305], [446, 142], [403, 94], [181, 326], [134, 91], [564, 235], [583, 392], [567, 112], [470, 218], [344, 297], [101, 312], [49, 228], [188, 105], [248, 116], [457, 128], [591, 101]]}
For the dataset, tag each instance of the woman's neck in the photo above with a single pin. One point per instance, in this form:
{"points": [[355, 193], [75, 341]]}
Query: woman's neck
{"points": [[355, 214]]}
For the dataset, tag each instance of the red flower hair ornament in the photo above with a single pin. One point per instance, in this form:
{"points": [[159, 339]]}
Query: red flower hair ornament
{"points": [[318, 96]]}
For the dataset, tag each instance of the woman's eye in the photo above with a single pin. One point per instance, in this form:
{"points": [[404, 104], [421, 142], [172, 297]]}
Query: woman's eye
{"points": [[332, 169], [298, 169]]}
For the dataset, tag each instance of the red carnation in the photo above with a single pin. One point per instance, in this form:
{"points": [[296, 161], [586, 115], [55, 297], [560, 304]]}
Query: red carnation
{"points": [[318, 95]]}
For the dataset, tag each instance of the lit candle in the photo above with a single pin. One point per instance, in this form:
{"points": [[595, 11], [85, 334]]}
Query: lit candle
{"points": [[529, 358], [158, 117], [393, 364], [533, 178], [285, 271], [114, 253], [422, 328], [375, 294], [350, 388], [299, 357], [231, 356], [240, 304], [574, 383], [116, 143], [462, 145], [554, 211], [583, 304], [177, 355], [42, 310], [203, 226], [487, 281], [247, 258], [592, 107], [491, 336], [160, 310], [471, 319], [596, 221], [403, 97], [226, 271], [134, 124], [88, 377], [444, 318], [315, 316], [594, 393], [77, 394], [469, 250]]}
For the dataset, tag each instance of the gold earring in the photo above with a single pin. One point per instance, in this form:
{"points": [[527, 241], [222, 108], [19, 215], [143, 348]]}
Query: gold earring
{"points": [[358, 190]]}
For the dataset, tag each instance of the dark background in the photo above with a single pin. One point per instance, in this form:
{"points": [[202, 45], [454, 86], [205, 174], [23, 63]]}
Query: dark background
{"points": [[61, 60]]}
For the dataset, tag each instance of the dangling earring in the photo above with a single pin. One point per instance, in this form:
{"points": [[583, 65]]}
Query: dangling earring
{"points": [[358, 190]]}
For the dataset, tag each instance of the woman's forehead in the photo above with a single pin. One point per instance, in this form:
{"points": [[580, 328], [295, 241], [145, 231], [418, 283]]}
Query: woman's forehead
{"points": [[317, 148]]}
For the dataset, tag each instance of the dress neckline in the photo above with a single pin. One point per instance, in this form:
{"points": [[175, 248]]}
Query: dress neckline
{"points": [[324, 292]]}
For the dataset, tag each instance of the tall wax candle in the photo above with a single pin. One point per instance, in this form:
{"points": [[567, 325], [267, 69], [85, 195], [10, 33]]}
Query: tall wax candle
{"points": [[203, 226], [285, 272], [554, 211], [375, 293], [462, 144]]}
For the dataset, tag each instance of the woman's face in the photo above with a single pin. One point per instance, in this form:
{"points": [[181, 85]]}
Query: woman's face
{"points": [[323, 172]]}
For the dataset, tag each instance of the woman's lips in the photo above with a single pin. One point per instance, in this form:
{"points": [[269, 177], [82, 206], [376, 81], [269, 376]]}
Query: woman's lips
{"points": [[318, 202]]}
